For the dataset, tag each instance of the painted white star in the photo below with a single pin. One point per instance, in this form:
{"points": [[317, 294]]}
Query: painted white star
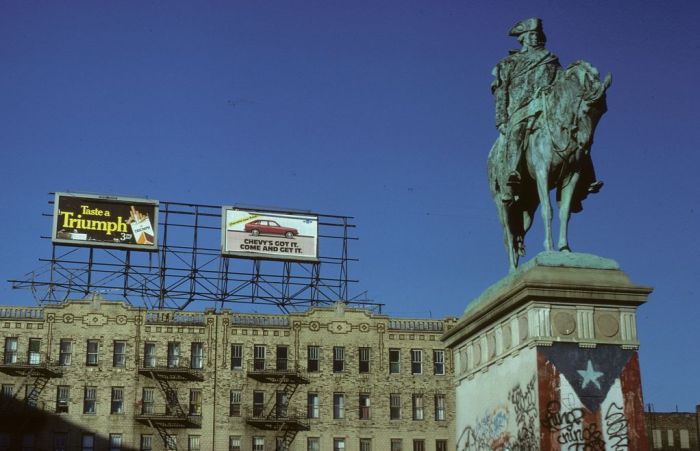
{"points": [[590, 375]]}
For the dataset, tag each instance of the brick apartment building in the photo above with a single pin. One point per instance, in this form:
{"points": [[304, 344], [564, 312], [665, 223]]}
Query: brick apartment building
{"points": [[673, 430], [103, 375]]}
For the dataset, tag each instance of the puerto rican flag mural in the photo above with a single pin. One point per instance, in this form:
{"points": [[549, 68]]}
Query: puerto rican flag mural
{"points": [[590, 399]]}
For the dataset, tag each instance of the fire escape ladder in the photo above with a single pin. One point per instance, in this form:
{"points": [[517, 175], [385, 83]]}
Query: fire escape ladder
{"points": [[288, 386], [163, 432], [38, 386], [287, 439], [172, 403]]}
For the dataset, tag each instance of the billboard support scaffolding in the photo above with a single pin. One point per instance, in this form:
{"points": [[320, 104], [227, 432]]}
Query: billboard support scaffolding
{"points": [[189, 268]]}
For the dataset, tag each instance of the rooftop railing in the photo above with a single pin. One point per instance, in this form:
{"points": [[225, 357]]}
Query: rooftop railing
{"points": [[35, 313], [176, 318], [416, 325], [244, 319]]}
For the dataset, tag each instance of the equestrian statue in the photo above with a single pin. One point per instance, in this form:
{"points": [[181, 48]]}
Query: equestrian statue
{"points": [[546, 117]]}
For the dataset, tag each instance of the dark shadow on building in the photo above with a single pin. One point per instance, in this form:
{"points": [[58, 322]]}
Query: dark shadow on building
{"points": [[25, 427]]}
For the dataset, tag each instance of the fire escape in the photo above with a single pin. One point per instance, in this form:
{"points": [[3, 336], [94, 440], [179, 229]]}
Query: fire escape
{"points": [[275, 415], [172, 415], [35, 373]]}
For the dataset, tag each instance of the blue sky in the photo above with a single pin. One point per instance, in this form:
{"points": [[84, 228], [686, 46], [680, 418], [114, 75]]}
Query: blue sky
{"points": [[377, 110]]}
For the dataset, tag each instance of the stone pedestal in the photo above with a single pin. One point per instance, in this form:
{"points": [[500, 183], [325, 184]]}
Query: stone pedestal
{"points": [[547, 359]]}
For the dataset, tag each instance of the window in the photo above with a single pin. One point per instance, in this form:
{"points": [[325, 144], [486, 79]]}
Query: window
{"points": [[146, 442], [115, 442], [258, 404], [281, 404], [197, 356], [117, 406], [93, 347], [338, 359], [7, 391], [440, 445], [394, 406], [149, 355], [65, 350], [669, 434], [173, 354], [416, 361], [394, 361], [90, 400], [282, 358], [28, 442], [193, 443], [338, 406], [60, 441], [338, 444], [236, 356], [195, 401], [313, 444], [10, 350], [234, 443], [439, 362], [119, 354], [363, 360], [147, 401], [34, 351], [364, 407], [31, 395], [312, 405], [417, 407], [656, 436], [62, 397], [440, 407], [235, 403], [365, 444], [88, 442], [685, 440], [259, 357], [418, 445], [171, 442], [313, 353], [258, 443]]}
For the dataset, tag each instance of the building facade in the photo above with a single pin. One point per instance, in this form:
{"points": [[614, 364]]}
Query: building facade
{"points": [[93, 374], [673, 430]]}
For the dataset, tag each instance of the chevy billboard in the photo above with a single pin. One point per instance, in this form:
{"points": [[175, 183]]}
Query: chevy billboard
{"points": [[269, 235]]}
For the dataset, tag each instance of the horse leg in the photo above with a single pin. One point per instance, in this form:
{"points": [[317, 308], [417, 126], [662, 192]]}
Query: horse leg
{"points": [[528, 216], [565, 196], [507, 235], [546, 206]]}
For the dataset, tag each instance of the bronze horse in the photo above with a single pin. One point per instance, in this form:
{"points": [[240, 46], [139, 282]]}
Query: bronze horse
{"points": [[557, 155]]}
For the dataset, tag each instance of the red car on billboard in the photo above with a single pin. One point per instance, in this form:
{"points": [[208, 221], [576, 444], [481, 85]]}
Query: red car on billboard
{"points": [[269, 227]]}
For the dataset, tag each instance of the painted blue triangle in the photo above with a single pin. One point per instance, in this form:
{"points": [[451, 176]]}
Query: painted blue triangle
{"points": [[571, 360]]}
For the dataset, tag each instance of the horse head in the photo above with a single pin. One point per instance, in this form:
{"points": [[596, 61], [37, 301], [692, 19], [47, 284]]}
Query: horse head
{"points": [[591, 88], [585, 84]]}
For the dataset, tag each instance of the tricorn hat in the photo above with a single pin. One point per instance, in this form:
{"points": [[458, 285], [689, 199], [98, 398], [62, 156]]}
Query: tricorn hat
{"points": [[532, 24]]}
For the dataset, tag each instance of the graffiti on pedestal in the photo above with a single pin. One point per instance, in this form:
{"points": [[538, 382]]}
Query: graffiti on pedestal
{"points": [[512, 425]]}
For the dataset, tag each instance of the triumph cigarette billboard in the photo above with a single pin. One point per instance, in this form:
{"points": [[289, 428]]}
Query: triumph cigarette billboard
{"points": [[101, 221], [269, 235]]}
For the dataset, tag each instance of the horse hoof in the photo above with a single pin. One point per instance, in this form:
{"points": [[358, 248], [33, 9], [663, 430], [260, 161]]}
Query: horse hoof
{"points": [[565, 249]]}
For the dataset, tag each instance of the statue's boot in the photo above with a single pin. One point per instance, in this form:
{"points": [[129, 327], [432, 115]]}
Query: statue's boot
{"points": [[595, 186], [510, 192]]}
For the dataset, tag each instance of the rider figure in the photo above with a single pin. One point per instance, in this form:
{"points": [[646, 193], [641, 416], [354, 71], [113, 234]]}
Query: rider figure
{"points": [[520, 79]]}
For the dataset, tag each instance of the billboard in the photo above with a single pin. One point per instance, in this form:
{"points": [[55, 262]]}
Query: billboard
{"points": [[105, 221], [269, 235]]}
